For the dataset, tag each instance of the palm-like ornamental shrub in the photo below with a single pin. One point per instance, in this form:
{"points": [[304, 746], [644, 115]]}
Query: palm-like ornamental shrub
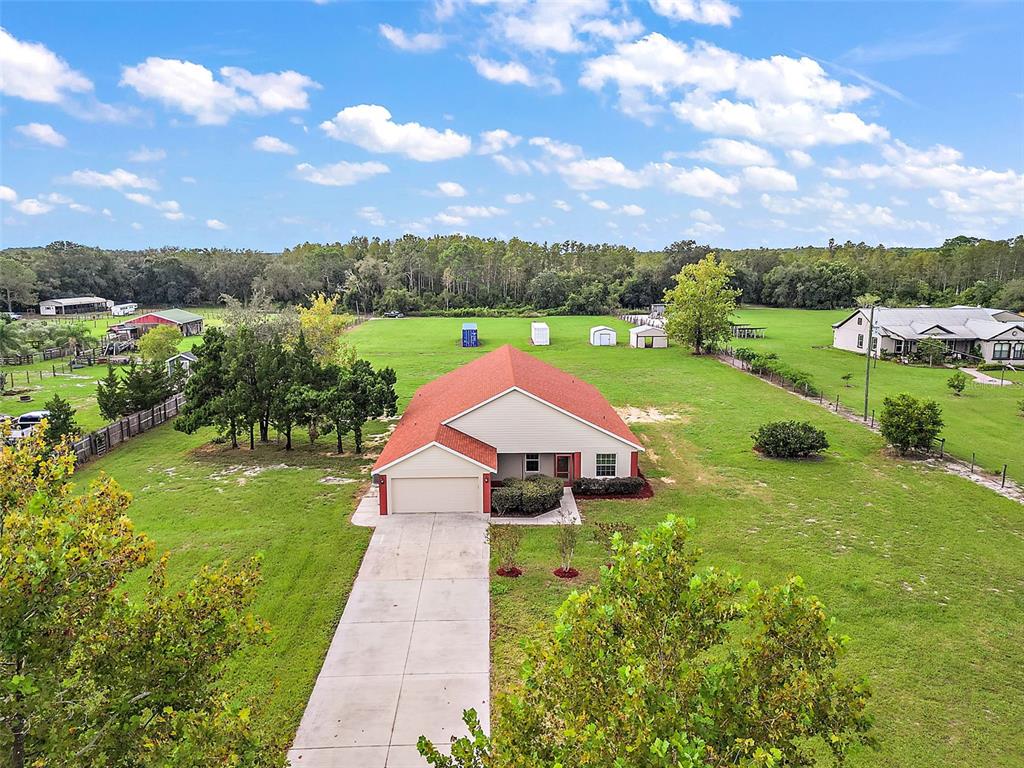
{"points": [[789, 439]]}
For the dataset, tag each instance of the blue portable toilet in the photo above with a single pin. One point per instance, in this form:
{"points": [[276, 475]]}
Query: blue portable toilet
{"points": [[469, 335]]}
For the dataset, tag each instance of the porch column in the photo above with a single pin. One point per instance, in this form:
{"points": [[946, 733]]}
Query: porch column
{"points": [[577, 465], [382, 493], [487, 493], [634, 464]]}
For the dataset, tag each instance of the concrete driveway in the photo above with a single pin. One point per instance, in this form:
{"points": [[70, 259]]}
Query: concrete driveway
{"points": [[411, 651]]}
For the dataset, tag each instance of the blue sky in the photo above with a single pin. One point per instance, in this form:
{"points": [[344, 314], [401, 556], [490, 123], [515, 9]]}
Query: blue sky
{"points": [[264, 125]]}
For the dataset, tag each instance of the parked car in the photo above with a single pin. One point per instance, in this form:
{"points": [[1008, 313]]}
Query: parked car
{"points": [[24, 425], [12, 316], [393, 314]]}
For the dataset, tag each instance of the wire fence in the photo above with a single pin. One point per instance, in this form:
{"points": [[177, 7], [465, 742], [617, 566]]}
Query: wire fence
{"points": [[856, 414], [105, 439]]}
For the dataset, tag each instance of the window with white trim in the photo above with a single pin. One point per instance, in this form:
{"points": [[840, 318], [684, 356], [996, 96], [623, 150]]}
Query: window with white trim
{"points": [[605, 465], [898, 346], [860, 320], [533, 462], [1001, 350], [860, 341]]}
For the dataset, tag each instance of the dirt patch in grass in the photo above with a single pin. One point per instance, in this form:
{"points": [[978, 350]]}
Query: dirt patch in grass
{"points": [[633, 415]]}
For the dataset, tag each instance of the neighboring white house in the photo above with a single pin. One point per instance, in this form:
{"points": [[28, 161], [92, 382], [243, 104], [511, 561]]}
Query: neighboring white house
{"points": [[994, 334], [540, 334], [648, 337], [181, 362], [74, 306], [603, 336], [504, 415], [122, 310]]}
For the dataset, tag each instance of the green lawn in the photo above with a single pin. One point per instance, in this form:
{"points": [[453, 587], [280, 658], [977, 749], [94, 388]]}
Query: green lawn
{"points": [[922, 569], [208, 503], [984, 420]]}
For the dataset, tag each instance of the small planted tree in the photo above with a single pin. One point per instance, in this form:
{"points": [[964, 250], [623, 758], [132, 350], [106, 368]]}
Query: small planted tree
{"points": [[568, 537], [846, 379], [700, 305], [789, 439], [908, 423], [505, 541], [957, 382], [110, 396]]}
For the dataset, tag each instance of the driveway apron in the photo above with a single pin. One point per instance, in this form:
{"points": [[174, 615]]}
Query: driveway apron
{"points": [[411, 650]]}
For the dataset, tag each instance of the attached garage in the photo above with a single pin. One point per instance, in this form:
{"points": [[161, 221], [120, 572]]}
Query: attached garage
{"points": [[434, 479], [436, 494]]}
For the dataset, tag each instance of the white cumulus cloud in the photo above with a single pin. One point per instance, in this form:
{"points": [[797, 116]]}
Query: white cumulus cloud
{"points": [[516, 198], [513, 73], [43, 134], [769, 179], [30, 206], [498, 140], [631, 210], [370, 127], [216, 224], [451, 189], [274, 145], [7, 194], [33, 72], [715, 12], [420, 42], [341, 174], [732, 152], [147, 155], [118, 179], [192, 89]]}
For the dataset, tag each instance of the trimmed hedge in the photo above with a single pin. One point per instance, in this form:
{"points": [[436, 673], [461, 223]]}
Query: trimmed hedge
{"points": [[608, 486], [532, 496], [789, 439]]}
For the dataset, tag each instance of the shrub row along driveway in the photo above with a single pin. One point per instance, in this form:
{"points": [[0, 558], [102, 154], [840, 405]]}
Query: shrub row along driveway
{"points": [[411, 650]]}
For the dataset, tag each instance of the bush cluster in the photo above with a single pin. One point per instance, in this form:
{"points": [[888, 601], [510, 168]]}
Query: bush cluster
{"points": [[789, 439], [608, 486], [532, 496], [480, 312], [768, 364]]}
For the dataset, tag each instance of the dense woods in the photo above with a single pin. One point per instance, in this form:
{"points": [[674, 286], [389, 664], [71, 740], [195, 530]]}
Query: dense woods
{"points": [[453, 272]]}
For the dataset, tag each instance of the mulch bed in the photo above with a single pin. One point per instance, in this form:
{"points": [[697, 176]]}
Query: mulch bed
{"points": [[561, 573], [511, 573], [647, 492]]}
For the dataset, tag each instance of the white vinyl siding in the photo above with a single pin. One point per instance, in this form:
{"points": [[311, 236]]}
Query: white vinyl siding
{"points": [[434, 462]]}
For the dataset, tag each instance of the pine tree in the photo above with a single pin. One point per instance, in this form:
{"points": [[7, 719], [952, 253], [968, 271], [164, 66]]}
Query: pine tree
{"points": [[110, 396], [60, 422]]}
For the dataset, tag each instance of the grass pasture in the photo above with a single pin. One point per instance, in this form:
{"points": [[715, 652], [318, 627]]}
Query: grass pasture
{"points": [[984, 420], [920, 568]]}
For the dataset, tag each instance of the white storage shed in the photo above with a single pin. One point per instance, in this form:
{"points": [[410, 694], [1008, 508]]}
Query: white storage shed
{"points": [[648, 337], [603, 336], [540, 334]]}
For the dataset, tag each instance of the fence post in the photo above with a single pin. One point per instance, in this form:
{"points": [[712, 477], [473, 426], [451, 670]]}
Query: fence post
{"points": [[972, 462], [872, 418], [837, 402], [1003, 483], [942, 447]]}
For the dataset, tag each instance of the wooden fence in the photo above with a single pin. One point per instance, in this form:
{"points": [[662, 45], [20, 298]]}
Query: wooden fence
{"points": [[103, 440], [36, 357]]}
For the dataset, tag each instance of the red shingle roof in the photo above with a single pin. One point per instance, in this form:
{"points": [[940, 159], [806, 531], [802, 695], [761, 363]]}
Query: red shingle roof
{"points": [[478, 381]]}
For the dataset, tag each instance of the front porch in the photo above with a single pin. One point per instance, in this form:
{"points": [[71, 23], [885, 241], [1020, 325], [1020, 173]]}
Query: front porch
{"points": [[563, 466]]}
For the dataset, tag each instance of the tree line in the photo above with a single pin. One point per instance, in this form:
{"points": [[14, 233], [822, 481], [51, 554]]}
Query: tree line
{"points": [[448, 273]]}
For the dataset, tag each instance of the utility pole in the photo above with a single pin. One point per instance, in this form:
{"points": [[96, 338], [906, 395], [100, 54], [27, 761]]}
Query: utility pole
{"points": [[867, 372]]}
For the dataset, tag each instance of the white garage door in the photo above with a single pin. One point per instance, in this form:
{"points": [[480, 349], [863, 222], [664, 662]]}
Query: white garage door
{"points": [[436, 494]]}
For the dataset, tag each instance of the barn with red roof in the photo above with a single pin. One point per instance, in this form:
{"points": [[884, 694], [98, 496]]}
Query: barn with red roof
{"points": [[504, 415]]}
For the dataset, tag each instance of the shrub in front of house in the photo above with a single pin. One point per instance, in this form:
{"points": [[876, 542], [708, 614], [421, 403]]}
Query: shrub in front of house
{"points": [[789, 439], [532, 496], [608, 486]]}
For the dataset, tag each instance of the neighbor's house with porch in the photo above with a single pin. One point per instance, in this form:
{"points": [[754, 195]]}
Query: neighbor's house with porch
{"points": [[504, 415], [993, 334], [76, 305]]}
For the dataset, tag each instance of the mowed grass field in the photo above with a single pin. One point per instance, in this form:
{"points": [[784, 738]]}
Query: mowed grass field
{"points": [[984, 420], [921, 569], [207, 503]]}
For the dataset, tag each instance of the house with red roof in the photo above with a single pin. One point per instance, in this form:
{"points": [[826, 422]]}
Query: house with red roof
{"points": [[504, 415]]}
